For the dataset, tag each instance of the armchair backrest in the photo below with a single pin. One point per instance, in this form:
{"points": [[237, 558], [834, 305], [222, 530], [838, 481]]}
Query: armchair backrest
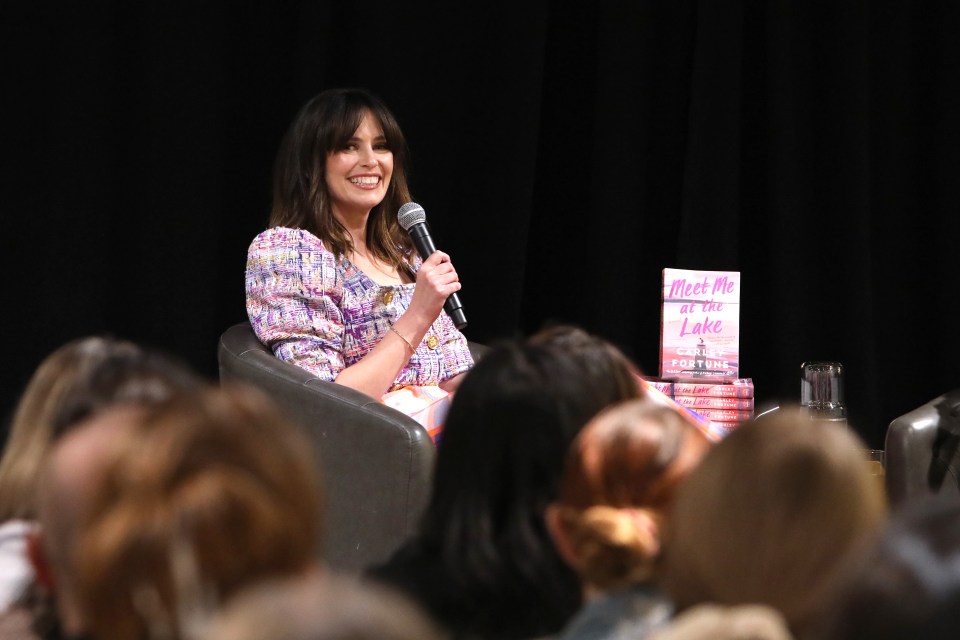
{"points": [[377, 463], [923, 450]]}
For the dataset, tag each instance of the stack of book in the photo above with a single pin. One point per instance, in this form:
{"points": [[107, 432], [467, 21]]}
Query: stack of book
{"points": [[725, 404], [700, 347]]}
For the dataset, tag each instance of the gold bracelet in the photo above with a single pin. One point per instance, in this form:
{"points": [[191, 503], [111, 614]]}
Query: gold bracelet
{"points": [[412, 350]]}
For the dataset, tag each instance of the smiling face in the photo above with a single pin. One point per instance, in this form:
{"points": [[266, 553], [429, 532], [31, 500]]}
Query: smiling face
{"points": [[358, 174]]}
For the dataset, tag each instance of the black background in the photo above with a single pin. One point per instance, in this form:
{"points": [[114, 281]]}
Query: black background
{"points": [[565, 154]]}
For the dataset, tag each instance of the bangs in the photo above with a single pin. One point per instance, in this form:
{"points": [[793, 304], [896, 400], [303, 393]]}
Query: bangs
{"points": [[342, 125], [344, 121]]}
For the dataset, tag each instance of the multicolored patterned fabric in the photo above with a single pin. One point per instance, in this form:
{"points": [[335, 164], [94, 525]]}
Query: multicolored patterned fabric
{"points": [[324, 315]]}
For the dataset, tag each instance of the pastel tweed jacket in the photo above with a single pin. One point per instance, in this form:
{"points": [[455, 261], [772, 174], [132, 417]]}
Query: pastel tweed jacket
{"points": [[324, 315]]}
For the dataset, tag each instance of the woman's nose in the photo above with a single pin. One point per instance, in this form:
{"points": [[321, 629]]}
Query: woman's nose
{"points": [[368, 158]]}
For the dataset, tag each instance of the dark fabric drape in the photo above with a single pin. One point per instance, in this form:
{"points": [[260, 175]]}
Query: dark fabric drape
{"points": [[565, 154]]}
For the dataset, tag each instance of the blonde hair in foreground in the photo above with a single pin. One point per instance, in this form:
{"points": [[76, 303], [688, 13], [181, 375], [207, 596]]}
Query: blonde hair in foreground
{"points": [[61, 374], [770, 515], [711, 622], [322, 608]]}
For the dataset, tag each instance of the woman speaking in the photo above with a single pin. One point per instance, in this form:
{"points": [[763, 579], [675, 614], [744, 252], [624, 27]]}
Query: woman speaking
{"points": [[334, 285]]}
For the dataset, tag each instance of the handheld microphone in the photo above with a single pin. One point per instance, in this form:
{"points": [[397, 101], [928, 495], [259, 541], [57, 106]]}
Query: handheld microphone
{"points": [[413, 218]]}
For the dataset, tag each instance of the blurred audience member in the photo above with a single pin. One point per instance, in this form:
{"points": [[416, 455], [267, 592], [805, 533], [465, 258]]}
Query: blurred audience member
{"points": [[601, 360], [621, 474], [908, 585], [483, 564], [770, 515], [597, 359], [66, 384], [712, 622], [321, 608], [139, 377], [63, 373], [123, 376], [71, 472], [198, 498]]}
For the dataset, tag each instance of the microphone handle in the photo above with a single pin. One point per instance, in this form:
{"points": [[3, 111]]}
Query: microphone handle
{"points": [[455, 310], [420, 234]]}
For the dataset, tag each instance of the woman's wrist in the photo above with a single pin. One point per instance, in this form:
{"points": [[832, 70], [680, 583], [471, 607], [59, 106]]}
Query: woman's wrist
{"points": [[414, 324], [418, 317], [404, 338]]}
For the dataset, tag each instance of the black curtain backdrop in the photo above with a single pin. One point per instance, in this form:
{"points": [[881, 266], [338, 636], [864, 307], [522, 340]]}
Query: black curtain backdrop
{"points": [[565, 154]]}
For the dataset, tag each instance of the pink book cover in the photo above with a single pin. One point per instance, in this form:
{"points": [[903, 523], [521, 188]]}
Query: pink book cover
{"points": [[714, 402], [700, 325]]}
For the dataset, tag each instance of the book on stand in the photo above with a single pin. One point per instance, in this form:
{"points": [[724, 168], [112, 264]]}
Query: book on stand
{"points": [[700, 348], [700, 325]]}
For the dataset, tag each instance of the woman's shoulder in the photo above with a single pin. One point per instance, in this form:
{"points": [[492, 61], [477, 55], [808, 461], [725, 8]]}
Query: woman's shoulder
{"points": [[284, 238]]}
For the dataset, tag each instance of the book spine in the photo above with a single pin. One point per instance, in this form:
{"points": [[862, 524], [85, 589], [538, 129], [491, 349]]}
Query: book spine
{"points": [[714, 402], [740, 388], [723, 428], [724, 415]]}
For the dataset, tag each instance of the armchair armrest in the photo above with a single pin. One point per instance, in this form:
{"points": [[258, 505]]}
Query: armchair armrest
{"points": [[377, 463], [923, 450]]}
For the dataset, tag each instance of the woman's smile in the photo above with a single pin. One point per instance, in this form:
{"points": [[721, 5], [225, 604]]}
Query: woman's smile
{"points": [[365, 181], [358, 174]]}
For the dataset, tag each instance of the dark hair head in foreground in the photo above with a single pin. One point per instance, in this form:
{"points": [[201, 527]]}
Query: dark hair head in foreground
{"points": [[483, 562]]}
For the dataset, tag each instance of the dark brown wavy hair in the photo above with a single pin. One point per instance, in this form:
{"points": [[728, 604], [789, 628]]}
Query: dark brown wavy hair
{"points": [[301, 198]]}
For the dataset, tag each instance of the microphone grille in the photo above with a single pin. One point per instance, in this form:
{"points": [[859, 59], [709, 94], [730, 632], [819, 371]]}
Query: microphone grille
{"points": [[411, 214]]}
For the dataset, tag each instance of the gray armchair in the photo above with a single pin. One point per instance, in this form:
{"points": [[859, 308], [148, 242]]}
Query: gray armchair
{"points": [[377, 463], [923, 450]]}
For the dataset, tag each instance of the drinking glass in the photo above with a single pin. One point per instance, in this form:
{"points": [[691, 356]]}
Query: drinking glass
{"points": [[821, 391]]}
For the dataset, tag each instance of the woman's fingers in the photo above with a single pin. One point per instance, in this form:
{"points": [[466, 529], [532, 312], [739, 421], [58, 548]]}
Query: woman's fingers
{"points": [[438, 265], [436, 258], [436, 281], [444, 269]]}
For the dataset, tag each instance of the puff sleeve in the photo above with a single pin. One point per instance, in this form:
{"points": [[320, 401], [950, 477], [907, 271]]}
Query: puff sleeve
{"points": [[294, 292]]}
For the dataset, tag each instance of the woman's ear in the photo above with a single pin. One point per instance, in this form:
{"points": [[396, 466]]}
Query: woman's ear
{"points": [[561, 537]]}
